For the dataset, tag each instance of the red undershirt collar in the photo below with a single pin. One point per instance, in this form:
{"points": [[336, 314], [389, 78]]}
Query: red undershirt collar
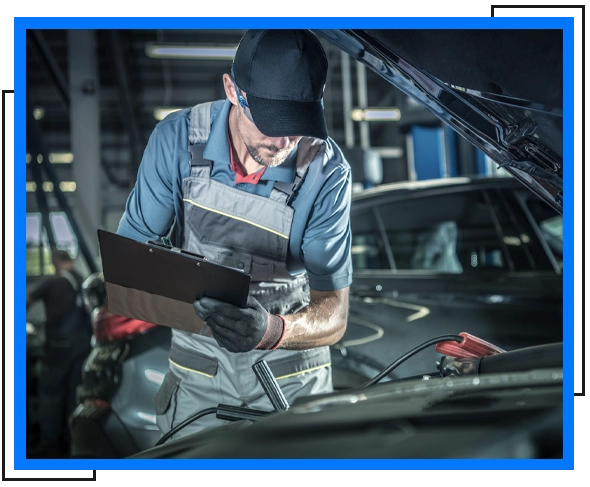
{"points": [[241, 177]]}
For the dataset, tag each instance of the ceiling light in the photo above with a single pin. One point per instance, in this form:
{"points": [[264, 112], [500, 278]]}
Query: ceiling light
{"points": [[64, 186], [390, 152], [67, 186], [187, 51], [61, 157], [47, 186], [376, 114], [162, 112]]}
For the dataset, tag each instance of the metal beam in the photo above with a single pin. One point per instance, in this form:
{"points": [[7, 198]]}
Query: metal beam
{"points": [[127, 100], [47, 60], [60, 85], [36, 139], [42, 202]]}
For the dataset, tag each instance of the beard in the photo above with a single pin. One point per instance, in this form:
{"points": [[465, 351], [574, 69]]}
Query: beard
{"points": [[268, 155], [264, 154]]}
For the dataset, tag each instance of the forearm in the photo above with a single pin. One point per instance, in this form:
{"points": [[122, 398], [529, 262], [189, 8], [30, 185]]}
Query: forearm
{"points": [[236, 329], [322, 322]]}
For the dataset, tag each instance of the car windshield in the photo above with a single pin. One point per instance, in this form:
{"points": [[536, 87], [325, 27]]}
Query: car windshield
{"points": [[457, 232]]}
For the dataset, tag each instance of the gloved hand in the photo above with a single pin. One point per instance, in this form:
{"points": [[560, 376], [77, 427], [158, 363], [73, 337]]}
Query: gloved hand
{"points": [[241, 329]]}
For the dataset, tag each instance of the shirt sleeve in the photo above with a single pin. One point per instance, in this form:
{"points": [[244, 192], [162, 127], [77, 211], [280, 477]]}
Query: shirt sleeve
{"points": [[149, 211], [327, 239]]}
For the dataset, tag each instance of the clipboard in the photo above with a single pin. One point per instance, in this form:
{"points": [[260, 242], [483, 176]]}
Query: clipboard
{"points": [[158, 283]]}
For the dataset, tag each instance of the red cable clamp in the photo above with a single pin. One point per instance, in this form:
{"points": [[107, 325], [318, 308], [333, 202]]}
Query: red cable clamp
{"points": [[470, 347]]}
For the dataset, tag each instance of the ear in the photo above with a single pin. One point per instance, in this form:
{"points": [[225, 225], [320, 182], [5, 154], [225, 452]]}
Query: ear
{"points": [[229, 88]]}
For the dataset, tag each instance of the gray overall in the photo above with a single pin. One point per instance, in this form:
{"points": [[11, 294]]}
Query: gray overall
{"points": [[250, 232]]}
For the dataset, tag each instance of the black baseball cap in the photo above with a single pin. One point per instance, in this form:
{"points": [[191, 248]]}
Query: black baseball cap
{"points": [[283, 73]]}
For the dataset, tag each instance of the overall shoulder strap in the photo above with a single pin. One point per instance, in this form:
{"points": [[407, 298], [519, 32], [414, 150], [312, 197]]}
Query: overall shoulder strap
{"points": [[198, 133], [199, 130], [200, 123]]}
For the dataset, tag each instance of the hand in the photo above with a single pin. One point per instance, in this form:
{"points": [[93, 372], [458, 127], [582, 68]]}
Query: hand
{"points": [[238, 329]]}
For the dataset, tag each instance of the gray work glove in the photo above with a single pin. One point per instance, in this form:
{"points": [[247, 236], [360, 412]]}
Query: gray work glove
{"points": [[241, 329]]}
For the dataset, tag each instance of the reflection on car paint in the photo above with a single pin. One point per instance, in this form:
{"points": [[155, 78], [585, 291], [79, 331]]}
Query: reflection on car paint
{"points": [[150, 418], [361, 341], [421, 311]]}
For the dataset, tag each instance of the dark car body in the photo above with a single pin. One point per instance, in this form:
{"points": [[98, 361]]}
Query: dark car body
{"points": [[447, 256], [509, 415], [115, 416]]}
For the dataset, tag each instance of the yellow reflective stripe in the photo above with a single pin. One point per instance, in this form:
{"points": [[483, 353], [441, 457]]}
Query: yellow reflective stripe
{"points": [[190, 370], [303, 371], [236, 218]]}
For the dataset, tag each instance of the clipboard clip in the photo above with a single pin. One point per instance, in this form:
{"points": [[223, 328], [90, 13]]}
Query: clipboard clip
{"points": [[166, 246]]}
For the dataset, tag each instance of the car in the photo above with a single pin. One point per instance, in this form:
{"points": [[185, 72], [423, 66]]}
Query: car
{"points": [[115, 415], [454, 347], [478, 255]]}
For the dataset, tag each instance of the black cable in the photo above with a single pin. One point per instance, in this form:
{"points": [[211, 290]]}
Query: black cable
{"points": [[403, 358], [374, 380], [186, 422]]}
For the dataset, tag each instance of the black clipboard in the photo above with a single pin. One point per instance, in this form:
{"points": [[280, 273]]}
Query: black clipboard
{"points": [[157, 283]]}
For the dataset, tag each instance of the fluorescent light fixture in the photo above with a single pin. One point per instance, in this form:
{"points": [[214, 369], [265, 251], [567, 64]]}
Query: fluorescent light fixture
{"points": [[61, 157], [65, 186], [376, 114], [54, 158], [391, 152], [360, 249], [508, 240], [162, 112], [47, 186], [188, 51]]}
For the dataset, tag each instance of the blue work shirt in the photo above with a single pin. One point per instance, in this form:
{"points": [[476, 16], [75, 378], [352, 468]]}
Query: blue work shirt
{"points": [[320, 238]]}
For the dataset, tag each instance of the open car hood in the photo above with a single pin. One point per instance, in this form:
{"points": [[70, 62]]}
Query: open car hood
{"points": [[500, 89]]}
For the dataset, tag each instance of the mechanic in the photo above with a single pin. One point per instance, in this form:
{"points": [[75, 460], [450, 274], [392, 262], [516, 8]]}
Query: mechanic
{"points": [[264, 190], [67, 343]]}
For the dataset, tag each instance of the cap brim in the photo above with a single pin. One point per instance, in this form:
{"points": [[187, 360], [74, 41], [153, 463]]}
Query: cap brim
{"points": [[281, 118]]}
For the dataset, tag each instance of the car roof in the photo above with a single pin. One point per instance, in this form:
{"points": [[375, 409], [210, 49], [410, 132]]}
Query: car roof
{"points": [[400, 188]]}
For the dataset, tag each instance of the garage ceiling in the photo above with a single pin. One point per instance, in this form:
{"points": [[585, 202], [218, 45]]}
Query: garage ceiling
{"points": [[132, 85]]}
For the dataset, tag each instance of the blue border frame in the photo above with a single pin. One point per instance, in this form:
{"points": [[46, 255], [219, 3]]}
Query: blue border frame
{"points": [[23, 23]]}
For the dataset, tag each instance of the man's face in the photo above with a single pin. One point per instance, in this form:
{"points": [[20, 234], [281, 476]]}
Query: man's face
{"points": [[267, 151]]}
